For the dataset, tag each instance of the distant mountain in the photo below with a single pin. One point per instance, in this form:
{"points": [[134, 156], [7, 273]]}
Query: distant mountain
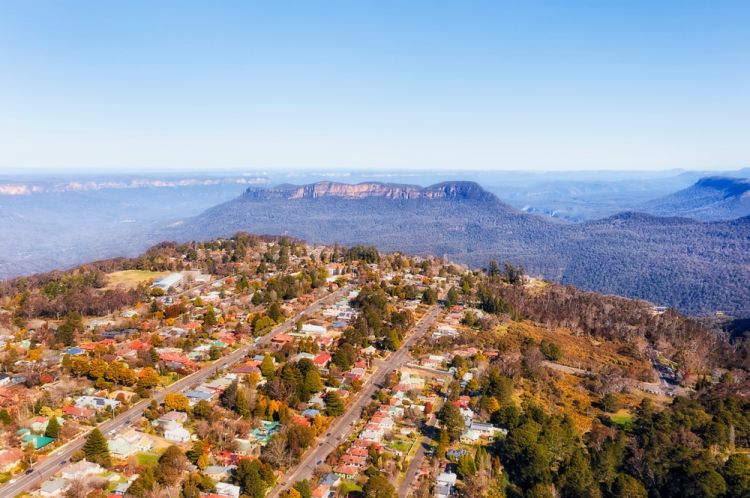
{"points": [[697, 267], [709, 199]]}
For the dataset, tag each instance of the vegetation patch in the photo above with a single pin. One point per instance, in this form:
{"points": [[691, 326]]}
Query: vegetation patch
{"points": [[131, 279]]}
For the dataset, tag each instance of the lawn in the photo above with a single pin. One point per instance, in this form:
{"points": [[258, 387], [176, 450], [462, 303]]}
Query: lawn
{"points": [[347, 487], [400, 445], [148, 459], [622, 418], [131, 278]]}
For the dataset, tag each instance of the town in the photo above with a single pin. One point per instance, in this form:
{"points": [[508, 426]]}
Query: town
{"points": [[221, 384], [269, 367]]}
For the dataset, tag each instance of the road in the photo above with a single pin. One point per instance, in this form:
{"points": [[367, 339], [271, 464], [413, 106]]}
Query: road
{"points": [[343, 426], [50, 465], [413, 469]]}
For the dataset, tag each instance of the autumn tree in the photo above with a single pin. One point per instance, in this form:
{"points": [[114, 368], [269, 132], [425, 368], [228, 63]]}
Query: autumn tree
{"points": [[177, 402]]}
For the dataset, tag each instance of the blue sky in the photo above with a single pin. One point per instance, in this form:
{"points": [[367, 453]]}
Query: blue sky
{"points": [[357, 84]]}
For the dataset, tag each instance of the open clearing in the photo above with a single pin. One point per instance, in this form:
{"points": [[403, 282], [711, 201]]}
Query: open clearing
{"points": [[130, 279]]}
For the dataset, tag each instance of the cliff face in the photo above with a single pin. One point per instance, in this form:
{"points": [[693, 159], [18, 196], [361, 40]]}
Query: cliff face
{"points": [[446, 190]]}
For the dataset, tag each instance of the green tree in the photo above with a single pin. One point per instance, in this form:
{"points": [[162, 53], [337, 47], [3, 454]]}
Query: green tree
{"points": [[202, 409], [379, 487], [241, 405], [577, 478], [303, 488], [267, 367], [627, 486], [53, 428], [143, 484], [96, 450], [334, 405], [209, 318], [452, 297], [313, 384], [452, 420], [229, 397], [275, 312], [5, 417], [736, 473]]}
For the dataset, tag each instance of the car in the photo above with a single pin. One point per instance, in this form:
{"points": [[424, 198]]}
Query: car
{"points": [[328, 434], [29, 471], [319, 462]]}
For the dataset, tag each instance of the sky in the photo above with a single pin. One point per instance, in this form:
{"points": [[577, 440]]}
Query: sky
{"points": [[425, 85]]}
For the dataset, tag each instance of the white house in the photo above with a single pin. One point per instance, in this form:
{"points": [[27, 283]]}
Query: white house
{"points": [[310, 329], [81, 469], [175, 432], [54, 488], [226, 489], [96, 402]]}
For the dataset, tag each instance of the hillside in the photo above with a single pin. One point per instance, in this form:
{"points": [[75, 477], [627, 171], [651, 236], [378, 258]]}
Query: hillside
{"points": [[697, 267], [709, 199]]}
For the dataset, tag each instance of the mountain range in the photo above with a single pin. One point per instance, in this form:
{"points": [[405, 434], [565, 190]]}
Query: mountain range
{"points": [[699, 267], [709, 199]]}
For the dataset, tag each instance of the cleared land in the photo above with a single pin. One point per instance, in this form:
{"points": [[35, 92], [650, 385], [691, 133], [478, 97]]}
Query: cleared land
{"points": [[130, 279]]}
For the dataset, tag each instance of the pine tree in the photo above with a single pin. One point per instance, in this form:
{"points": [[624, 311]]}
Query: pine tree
{"points": [[240, 405], [95, 448], [334, 405], [229, 397], [267, 368], [313, 384], [53, 428]]}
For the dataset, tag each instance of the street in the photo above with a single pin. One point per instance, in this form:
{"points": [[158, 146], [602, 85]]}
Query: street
{"points": [[54, 462], [343, 426]]}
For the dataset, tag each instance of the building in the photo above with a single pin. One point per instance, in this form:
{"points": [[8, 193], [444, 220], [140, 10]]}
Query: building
{"points": [[82, 469], [97, 403], [168, 281], [176, 433], [54, 488], [226, 489]]}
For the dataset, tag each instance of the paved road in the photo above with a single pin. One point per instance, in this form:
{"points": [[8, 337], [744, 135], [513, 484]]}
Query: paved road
{"points": [[344, 425], [413, 469], [55, 460]]}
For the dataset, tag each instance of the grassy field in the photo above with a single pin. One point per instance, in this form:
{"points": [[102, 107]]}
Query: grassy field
{"points": [[130, 279], [148, 459], [622, 418]]}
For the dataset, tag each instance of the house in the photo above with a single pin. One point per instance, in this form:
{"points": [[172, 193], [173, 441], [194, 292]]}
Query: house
{"points": [[445, 481], [281, 339], [39, 424], [322, 491], [196, 395], [226, 489], [37, 442], [168, 281], [173, 416], [175, 432], [81, 469], [313, 330], [346, 471], [321, 360], [4, 379], [445, 331], [331, 480], [78, 412], [218, 472], [9, 459], [130, 442], [96, 402], [54, 488]]}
